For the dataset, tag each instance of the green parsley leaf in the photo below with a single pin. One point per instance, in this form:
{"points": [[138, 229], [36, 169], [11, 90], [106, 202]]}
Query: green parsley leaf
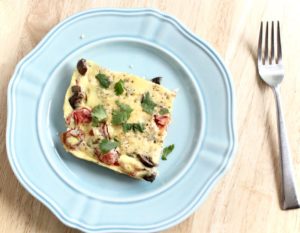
{"points": [[163, 111], [122, 115], [124, 107], [135, 127], [119, 117], [103, 80], [127, 127], [119, 87], [166, 151], [138, 127], [106, 145], [147, 104], [98, 114]]}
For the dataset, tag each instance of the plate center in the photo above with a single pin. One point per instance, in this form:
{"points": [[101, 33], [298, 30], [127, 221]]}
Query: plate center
{"points": [[144, 59]]}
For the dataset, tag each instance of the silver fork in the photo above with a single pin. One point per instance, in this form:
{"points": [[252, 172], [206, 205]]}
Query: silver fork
{"points": [[271, 71]]}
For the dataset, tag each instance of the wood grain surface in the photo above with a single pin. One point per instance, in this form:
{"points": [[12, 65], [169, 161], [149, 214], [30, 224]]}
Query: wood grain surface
{"points": [[247, 197]]}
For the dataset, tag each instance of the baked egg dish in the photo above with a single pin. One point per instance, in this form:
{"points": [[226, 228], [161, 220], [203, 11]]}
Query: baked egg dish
{"points": [[117, 120]]}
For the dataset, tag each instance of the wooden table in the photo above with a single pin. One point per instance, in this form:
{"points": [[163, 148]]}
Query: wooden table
{"points": [[247, 198]]}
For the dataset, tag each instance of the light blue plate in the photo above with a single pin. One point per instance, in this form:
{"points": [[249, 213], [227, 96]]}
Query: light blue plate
{"points": [[147, 43]]}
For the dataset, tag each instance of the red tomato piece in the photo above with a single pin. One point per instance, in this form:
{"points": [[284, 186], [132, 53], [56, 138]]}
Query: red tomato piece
{"points": [[161, 121], [82, 115], [67, 136], [110, 157]]}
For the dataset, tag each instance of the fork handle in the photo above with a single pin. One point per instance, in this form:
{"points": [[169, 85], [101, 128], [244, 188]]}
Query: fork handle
{"points": [[290, 199]]}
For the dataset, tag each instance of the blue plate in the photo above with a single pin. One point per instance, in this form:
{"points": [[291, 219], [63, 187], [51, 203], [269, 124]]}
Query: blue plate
{"points": [[147, 43]]}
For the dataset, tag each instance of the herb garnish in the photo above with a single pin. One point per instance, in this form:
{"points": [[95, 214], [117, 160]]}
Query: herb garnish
{"points": [[166, 151], [163, 111], [147, 103], [122, 115], [106, 145], [103, 80], [135, 127], [98, 114], [119, 87]]}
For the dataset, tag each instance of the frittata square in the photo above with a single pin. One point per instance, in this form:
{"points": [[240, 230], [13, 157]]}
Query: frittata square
{"points": [[116, 120]]}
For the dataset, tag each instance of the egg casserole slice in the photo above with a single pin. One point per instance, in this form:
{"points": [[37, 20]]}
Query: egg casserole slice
{"points": [[116, 120]]}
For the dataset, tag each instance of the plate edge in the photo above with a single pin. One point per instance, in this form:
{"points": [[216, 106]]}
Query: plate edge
{"points": [[232, 126]]}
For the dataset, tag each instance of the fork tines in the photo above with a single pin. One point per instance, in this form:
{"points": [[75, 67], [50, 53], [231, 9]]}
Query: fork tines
{"points": [[265, 58]]}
